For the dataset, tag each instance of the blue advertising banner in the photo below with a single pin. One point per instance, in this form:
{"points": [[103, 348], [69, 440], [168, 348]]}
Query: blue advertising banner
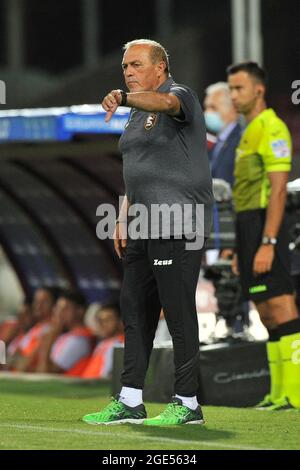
{"points": [[58, 124]]}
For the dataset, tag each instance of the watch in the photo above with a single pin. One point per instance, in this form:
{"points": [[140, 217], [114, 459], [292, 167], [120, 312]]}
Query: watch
{"points": [[269, 240], [124, 98]]}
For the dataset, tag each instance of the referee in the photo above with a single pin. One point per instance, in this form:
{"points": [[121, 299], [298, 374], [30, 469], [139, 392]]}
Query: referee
{"points": [[164, 163], [262, 166]]}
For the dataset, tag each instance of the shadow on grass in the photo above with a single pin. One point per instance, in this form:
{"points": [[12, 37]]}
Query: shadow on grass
{"points": [[188, 433], [56, 389]]}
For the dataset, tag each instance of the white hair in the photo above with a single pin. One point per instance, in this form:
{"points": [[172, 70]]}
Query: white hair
{"points": [[158, 52], [220, 87]]}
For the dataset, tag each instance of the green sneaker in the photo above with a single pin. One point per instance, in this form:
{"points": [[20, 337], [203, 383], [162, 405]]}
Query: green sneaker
{"points": [[176, 413], [281, 405], [117, 413], [265, 403]]}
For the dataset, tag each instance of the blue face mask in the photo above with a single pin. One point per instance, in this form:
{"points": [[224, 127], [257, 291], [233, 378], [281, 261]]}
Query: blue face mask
{"points": [[213, 121]]}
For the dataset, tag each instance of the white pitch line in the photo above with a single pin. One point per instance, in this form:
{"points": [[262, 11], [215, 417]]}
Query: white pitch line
{"points": [[28, 427]]}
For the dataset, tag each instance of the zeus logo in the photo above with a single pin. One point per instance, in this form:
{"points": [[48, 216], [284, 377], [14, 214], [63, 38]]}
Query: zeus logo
{"points": [[296, 94], [162, 262]]}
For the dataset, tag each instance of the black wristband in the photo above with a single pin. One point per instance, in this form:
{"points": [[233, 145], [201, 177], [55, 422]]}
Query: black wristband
{"points": [[124, 98]]}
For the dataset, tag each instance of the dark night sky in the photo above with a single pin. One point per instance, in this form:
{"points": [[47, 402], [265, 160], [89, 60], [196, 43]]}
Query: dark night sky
{"points": [[53, 33], [63, 25]]}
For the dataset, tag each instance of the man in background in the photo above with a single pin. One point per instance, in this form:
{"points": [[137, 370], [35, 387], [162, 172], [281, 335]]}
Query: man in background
{"points": [[15, 326], [221, 118], [25, 357], [111, 333], [262, 167], [68, 344]]}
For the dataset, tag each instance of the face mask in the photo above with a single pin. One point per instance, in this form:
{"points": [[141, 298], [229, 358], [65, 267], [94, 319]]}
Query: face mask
{"points": [[213, 121]]}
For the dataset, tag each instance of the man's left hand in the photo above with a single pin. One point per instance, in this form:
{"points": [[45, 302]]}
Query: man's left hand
{"points": [[111, 102], [263, 259]]}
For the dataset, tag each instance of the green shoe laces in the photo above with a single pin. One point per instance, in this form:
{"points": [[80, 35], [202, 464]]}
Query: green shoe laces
{"points": [[113, 407], [174, 409]]}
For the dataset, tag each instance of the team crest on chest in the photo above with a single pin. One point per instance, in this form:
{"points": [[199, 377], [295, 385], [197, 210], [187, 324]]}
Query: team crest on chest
{"points": [[150, 121]]}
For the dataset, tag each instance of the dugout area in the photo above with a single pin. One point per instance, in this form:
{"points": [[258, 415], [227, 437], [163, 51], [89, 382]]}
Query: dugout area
{"points": [[55, 172]]}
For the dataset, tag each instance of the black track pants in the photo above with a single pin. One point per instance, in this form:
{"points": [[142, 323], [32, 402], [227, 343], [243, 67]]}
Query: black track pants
{"points": [[160, 273]]}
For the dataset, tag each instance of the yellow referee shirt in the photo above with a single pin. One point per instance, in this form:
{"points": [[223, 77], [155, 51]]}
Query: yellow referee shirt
{"points": [[265, 147]]}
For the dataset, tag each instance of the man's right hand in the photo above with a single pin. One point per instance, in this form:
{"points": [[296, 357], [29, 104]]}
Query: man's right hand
{"points": [[120, 238]]}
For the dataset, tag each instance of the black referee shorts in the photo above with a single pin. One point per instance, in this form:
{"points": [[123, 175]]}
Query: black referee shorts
{"points": [[159, 274], [249, 233]]}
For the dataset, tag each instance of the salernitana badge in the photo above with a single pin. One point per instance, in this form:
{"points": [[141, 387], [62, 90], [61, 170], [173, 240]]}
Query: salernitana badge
{"points": [[150, 121]]}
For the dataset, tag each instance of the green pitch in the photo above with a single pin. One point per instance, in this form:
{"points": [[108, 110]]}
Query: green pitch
{"points": [[46, 415]]}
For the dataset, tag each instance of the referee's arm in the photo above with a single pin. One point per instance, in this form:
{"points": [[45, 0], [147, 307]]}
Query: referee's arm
{"points": [[265, 255], [276, 206]]}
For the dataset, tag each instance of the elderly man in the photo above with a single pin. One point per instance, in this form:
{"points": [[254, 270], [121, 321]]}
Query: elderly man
{"points": [[164, 163]]}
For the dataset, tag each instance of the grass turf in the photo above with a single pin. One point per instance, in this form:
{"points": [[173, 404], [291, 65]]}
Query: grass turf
{"points": [[46, 415]]}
